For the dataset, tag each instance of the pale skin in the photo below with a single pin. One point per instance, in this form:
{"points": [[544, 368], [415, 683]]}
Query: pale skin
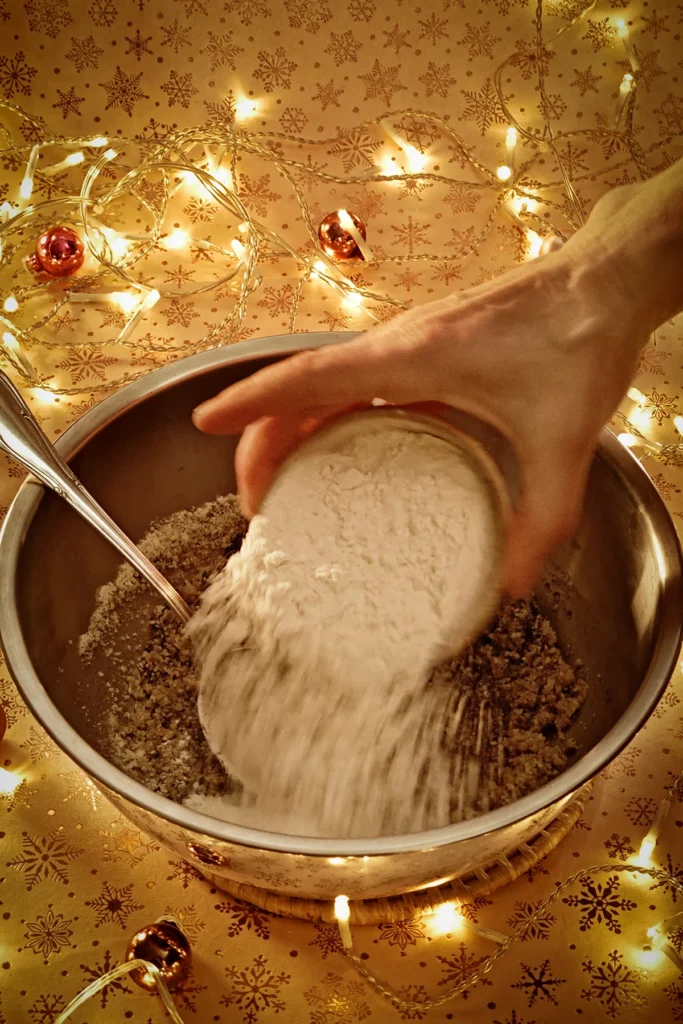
{"points": [[544, 353]]}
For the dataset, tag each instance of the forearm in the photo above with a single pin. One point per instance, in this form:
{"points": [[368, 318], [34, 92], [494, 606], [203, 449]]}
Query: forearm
{"points": [[633, 244]]}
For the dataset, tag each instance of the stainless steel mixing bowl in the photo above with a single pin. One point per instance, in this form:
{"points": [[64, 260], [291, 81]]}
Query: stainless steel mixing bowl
{"points": [[141, 457]]}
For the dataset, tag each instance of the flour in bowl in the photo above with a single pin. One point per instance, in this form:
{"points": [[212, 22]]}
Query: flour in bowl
{"points": [[316, 642]]}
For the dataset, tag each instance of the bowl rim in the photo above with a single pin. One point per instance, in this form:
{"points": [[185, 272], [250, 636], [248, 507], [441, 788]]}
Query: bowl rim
{"points": [[25, 505]]}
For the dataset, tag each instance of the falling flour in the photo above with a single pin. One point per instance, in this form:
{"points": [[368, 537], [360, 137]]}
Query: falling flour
{"points": [[315, 643]]}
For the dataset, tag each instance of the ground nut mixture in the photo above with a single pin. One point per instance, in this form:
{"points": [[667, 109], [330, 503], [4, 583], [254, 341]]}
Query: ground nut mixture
{"points": [[514, 681]]}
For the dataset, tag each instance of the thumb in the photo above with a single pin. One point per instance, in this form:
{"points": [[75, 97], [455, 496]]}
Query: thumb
{"points": [[548, 514]]}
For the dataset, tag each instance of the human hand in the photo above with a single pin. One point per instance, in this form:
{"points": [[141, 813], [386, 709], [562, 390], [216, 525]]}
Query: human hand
{"points": [[543, 353]]}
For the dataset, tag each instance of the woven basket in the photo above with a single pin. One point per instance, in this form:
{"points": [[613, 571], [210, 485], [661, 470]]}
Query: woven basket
{"points": [[481, 882]]}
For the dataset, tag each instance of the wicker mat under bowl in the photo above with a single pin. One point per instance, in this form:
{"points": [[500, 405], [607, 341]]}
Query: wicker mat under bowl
{"points": [[481, 882]]}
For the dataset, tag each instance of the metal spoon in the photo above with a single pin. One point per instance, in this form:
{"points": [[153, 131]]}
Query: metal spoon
{"points": [[23, 440]]}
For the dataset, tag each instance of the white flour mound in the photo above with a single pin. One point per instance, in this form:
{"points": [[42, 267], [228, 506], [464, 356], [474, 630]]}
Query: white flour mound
{"points": [[315, 642]]}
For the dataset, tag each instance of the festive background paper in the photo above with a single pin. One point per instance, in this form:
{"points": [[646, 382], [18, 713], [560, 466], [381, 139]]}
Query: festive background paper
{"points": [[75, 879]]}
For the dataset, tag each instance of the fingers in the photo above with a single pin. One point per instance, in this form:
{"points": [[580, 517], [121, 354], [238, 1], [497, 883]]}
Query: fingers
{"points": [[549, 513], [262, 448], [317, 381], [264, 445]]}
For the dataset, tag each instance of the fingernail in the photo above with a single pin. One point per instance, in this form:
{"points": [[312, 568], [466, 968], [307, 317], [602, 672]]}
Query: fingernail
{"points": [[200, 412]]}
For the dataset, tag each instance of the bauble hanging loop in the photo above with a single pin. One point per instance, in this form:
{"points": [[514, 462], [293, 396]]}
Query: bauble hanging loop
{"points": [[164, 945], [59, 252]]}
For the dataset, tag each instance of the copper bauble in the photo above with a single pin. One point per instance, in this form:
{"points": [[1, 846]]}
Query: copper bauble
{"points": [[3, 722], [59, 252], [336, 241], [164, 945]]}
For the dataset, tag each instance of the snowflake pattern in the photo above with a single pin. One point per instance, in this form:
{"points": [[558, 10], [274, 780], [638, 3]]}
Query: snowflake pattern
{"points": [[327, 95], [327, 940], [103, 13], [200, 211], [46, 1009], [183, 872], [123, 90], [124, 844], [619, 847], [396, 39], [676, 872], [243, 917], [49, 934], [293, 120], [275, 69], [114, 904], [613, 984], [16, 75], [434, 29], [48, 16], [402, 933], [91, 974], [254, 988], [180, 89], [410, 234], [336, 1001], [361, 10], [414, 994], [600, 34], [641, 810], [191, 924], [669, 115], [86, 362], [176, 36], [257, 193], [382, 82], [459, 967], [600, 903], [437, 80], [137, 45], [222, 51], [586, 80], [354, 147], [462, 199], [68, 102], [44, 857], [483, 106], [539, 929], [539, 983], [182, 313], [660, 406], [479, 40], [84, 53], [247, 10], [308, 14]]}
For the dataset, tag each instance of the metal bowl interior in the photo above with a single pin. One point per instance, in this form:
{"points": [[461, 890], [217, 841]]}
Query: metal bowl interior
{"points": [[619, 588]]}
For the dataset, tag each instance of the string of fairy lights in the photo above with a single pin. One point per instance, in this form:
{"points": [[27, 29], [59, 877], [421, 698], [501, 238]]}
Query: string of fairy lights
{"points": [[111, 261]]}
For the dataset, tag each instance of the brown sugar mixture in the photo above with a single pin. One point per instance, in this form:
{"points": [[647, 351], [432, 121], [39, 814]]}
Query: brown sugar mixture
{"points": [[515, 694]]}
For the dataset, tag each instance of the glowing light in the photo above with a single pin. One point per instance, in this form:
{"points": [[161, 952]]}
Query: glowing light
{"points": [[416, 161], [342, 914], [109, 154], [353, 299], [26, 188], [510, 144], [245, 108], [336, 861], [626, 84], [74, 158], [126, 300], [503, 173], [678, 424], [647, 848], [622, 28], [535, 243], [628, 440], [637, 396], [648, 958], [243, 227], [177, 239], [6, 211], [45, 396], [151, 298], [99, 140], [520, 204], [9, 781], [652, 932], [10, 304], [444, 920], [224, 176], [10, 341], [238, 248], [387, 166]]}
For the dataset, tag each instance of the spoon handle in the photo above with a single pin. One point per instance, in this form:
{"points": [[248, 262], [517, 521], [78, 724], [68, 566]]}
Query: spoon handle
{"points": [[22, 439]]}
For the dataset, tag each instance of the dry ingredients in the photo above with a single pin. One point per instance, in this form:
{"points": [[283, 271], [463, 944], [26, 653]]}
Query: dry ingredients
{"points": [[153, 731], [369, 561]]}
